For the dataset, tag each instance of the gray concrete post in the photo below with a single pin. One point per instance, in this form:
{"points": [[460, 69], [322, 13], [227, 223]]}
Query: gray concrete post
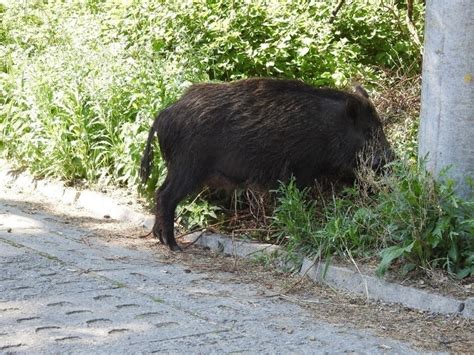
{"points": [[447, 101]]}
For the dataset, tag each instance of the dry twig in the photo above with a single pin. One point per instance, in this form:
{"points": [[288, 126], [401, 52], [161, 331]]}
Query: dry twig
{"points": [[336, 10]]}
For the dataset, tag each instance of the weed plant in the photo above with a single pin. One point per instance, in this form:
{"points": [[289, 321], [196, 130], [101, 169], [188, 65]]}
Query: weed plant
{"points": [[405, 216]]}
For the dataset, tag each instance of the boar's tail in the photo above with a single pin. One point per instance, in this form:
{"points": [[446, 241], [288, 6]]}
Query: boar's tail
{"points": [[147, 158]]}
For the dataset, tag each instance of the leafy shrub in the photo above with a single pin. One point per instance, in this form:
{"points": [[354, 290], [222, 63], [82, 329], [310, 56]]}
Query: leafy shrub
{"points": [[429, 224], [77, 101], [381, 34], [292, 39], [406, 216], [81, 81]]}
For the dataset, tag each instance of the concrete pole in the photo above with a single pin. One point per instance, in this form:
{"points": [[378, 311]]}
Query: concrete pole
{"points": [[447, 98]]}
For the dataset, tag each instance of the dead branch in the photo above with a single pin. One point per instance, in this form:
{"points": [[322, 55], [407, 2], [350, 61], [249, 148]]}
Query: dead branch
{"points": [[334, 13], [410, 25]]}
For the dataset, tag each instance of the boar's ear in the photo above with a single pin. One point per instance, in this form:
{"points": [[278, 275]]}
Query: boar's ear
{"points": [[352, 108], [359, 90]]}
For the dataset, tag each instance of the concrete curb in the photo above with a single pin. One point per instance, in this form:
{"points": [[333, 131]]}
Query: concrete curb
{"points": [[92, 201], [343, 278], [338, 277], [378, 289]]}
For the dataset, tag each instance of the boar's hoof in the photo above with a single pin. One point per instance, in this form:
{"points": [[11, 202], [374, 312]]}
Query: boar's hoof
{"points": [[157, 234], [175, 247]]}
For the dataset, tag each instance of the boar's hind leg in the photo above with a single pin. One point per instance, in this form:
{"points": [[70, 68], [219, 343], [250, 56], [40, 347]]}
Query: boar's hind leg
{"points": [[158, 226], [178, 186]]}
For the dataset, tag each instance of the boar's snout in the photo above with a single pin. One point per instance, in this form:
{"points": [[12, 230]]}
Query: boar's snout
{"points": [[381, 158], [377, 153]]}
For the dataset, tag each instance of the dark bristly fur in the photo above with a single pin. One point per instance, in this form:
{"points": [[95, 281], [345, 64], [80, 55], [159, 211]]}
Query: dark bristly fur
{"points": [[257, 132]]}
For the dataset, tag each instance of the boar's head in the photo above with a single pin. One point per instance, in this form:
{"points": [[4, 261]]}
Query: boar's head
{"points": [[374, 148]]}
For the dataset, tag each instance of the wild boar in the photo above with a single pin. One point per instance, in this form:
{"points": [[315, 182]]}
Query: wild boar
{"points": [[258, 132]]}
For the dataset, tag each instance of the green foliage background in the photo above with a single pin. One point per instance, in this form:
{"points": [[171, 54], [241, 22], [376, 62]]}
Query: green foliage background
{"points": [[80, 81]]}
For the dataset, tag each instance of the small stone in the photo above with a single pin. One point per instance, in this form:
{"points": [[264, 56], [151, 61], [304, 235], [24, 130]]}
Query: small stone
{"points": [[9, 230], [312, 338]]}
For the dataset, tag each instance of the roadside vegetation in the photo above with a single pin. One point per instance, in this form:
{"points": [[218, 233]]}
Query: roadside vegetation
{"points": [[80, 82]]}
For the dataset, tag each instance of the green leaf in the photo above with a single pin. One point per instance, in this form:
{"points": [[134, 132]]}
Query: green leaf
{"points": [[302, 51], [390, 254], [465, 272], [408, 268]]}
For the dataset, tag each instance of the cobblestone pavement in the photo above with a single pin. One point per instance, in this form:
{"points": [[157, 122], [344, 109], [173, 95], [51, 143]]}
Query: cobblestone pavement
{"points": [[62, 290]]}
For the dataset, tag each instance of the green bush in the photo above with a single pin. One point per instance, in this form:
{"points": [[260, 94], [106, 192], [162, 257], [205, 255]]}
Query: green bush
{"points": [[77, 101], [81, 81], [380, 33], [406, 216]]}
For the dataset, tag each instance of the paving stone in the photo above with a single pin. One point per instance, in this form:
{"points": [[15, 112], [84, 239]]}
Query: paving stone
{"points": [[61, 295]]}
